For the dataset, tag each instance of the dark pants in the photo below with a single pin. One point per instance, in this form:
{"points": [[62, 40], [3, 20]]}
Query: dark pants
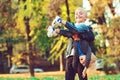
{"points": [[70, 71]]}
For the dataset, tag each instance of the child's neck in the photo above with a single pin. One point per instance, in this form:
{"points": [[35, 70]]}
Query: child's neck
{"points": [[81, 22]]}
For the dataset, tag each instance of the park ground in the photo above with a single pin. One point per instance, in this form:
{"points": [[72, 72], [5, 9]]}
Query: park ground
{"points": [[52, 73], [91, 72], [57, 75]]}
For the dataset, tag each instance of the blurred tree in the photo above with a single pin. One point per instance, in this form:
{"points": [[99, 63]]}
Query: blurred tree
{"points": [[8, 33], [31, 22], [98, 14], [106, 15], [114, 37]]}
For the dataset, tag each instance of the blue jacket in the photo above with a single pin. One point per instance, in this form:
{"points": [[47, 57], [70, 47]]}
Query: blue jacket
{"points": [[76, 29]]}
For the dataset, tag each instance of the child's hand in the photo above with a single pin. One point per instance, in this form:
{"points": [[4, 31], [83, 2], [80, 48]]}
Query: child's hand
{"points": [[82, 59], [57, 31], [84, 72], [57, 21], [51, 32]]}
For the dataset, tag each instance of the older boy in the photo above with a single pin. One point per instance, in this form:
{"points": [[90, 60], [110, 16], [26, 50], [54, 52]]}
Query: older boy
{"points": [[81, 46]]}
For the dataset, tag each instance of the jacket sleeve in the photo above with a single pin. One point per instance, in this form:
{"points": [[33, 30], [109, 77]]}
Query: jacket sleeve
{"points": [[71, 27], [88, 57], [76, 28], [65, 33]]}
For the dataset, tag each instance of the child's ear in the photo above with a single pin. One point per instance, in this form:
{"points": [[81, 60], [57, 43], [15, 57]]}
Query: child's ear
{"points": [[86, 16]]}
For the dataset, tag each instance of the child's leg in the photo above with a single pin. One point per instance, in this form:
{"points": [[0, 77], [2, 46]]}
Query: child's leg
{"points": [[80, 53], [82, 57]]}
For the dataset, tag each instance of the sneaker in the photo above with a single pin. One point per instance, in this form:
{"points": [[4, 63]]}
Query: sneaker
{"points": [[51, 32], [57, 21]]}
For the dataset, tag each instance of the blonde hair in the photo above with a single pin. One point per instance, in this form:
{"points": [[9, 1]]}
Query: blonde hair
{"points": [[81, 9]]}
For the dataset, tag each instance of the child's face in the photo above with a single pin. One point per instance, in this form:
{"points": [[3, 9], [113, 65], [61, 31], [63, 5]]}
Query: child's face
{"points": [[80, 15]]}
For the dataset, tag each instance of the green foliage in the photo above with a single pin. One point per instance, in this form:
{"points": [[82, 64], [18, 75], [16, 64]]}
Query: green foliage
{"points": [[107, 40], [97, 10], [58, 47], [7, 22], [12, 40], [38, 22], [44, 41]]}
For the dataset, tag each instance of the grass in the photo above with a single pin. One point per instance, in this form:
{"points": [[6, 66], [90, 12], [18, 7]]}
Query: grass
{"points": [[97, 77], [105, 77], [36, 78]]}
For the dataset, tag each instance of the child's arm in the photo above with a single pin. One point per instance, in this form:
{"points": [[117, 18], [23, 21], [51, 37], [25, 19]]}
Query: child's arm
{"points": [[80, 28], [65, 33], [84, 72], [58, 22], [88, 55]]}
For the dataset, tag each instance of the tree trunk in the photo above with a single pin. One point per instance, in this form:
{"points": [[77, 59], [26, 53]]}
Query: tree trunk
{"points": [[112, 9], [29, 45], [68, 11], [9, 51], [61, 63]]}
